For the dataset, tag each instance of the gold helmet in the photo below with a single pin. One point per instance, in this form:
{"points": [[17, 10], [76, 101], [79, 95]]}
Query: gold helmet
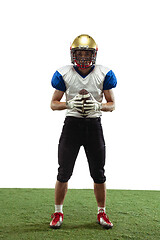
{"points": [[86, 43]]}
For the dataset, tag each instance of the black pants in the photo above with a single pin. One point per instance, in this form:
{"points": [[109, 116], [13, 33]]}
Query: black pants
{"points": [[77, 132]]}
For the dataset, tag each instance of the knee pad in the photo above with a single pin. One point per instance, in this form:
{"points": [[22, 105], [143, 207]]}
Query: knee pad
{"points": [[98, 176], [63, 176]]}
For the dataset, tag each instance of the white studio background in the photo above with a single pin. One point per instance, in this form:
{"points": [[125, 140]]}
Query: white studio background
{"points": [[35, 41]]}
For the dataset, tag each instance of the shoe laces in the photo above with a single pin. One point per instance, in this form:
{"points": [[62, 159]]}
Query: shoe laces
{"points": [[56, 216], [104, 216]]}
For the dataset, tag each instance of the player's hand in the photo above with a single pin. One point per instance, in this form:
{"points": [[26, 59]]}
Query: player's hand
{"points": [[75, 102], [92, 105]]}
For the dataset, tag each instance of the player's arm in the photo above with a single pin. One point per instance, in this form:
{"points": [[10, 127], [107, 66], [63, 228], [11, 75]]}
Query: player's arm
{"points": [[109, 106], [56, 103]]}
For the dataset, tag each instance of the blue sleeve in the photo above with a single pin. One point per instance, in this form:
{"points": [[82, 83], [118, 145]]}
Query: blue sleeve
{"points": [[58, 82], [110, 81]]}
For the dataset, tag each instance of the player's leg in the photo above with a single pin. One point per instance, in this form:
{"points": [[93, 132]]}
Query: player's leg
{"points": [[100, 194], [95, 152], [60, 192], [64, 173], [68, 149]]}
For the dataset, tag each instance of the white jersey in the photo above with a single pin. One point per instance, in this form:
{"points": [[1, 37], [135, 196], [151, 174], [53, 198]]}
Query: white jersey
{"points": [[74, 82]]}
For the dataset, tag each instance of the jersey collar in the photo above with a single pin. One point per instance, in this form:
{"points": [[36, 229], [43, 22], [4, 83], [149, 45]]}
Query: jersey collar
{"points": [[83, 76]]}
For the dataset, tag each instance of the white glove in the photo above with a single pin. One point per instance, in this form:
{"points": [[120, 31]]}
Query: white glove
{"points": [[75, 102], [92, 105]]}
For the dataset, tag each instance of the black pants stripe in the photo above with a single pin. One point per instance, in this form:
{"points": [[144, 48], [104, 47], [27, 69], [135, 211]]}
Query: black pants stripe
{"points": [[79, 132]]}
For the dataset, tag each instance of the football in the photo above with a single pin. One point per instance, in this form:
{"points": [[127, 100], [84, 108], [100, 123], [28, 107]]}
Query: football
{"points": [[84, 96]]}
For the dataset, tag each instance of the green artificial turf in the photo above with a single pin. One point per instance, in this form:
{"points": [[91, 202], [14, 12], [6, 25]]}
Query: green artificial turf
{"points": [[25, 214]]}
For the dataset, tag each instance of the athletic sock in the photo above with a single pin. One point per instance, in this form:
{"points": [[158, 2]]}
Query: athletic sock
{"points": [[101, 209], [59, 208]]}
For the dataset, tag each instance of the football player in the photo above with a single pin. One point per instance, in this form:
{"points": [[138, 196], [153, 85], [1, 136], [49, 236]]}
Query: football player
{"points": [[82, 125]]}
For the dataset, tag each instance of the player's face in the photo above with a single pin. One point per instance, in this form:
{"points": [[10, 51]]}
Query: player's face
{"points": [[83, 57]]}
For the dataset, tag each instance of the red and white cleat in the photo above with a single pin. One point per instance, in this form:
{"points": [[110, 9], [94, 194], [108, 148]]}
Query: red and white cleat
{"points": [[103, 220], [57, 219]]}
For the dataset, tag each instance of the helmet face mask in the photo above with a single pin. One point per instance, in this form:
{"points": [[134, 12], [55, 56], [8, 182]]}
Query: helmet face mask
{"points": [[83, 58], [83, 51]]}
